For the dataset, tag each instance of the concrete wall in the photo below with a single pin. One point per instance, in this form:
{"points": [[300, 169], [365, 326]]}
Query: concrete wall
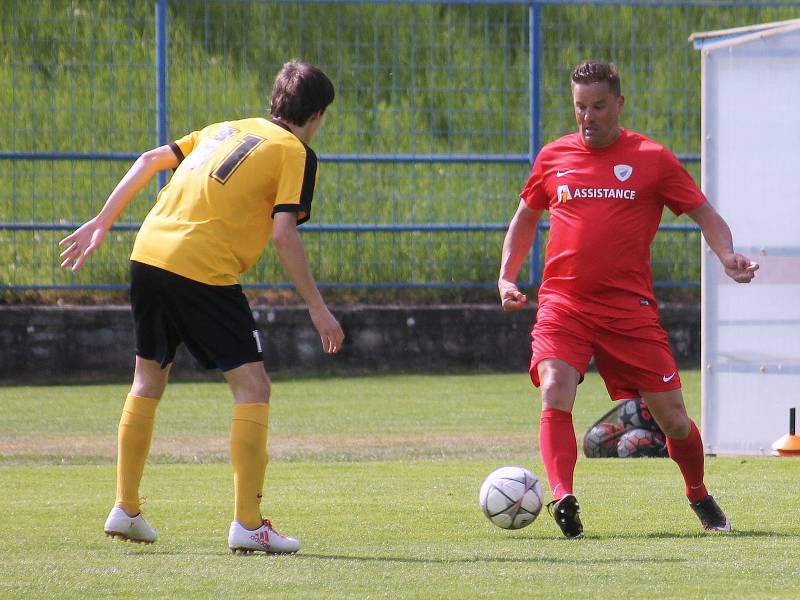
{"points": [[53, 344]]}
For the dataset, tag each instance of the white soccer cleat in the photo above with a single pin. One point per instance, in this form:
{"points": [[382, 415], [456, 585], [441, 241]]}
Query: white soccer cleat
{"points": [[135, 529], [263, 539]]}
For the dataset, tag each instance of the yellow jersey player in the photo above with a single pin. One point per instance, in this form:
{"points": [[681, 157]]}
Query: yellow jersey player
{"points": [[236, 185]]}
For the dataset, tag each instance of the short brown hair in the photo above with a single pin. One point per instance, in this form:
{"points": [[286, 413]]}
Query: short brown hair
{"points": [[300, 90], [593, 71]]}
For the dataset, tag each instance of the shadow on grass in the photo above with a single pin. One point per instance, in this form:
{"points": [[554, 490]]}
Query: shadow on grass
{"points": [[694, 535], [484, 559], [142, 550], [150, 551]]}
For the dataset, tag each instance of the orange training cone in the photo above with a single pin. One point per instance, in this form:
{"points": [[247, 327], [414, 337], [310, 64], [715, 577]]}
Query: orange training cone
{"points": [[788, 445]]}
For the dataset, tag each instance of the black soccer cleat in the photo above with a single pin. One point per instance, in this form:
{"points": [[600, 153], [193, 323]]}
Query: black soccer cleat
{"points": [[567, 512], [711, 515]]}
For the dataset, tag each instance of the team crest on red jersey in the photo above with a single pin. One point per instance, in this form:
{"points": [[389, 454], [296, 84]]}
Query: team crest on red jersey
{"points": [[623, 172]]}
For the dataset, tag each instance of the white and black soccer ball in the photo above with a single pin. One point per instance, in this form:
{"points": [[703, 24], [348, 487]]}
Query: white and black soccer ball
{"points": [[511, 497], [601, 440], [634, 414], [635, 443]]}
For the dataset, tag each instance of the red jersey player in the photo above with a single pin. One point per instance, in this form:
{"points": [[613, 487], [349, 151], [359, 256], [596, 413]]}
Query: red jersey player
{"points": [[605, 188]]}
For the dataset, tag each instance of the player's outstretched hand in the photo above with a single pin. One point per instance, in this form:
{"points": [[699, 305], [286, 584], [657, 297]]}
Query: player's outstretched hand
{"points": [[740, 268], [330, 332], [510, 296], [81, 243]]}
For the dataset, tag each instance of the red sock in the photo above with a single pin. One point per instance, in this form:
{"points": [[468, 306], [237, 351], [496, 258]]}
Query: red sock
{"points": [[688, 454], [559, 450]]}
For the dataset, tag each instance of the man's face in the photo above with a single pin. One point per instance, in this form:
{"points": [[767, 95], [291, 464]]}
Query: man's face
{"points": [[597, 112]]}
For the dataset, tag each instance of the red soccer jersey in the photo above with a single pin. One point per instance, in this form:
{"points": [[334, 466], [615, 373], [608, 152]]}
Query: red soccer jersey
{"points": [[605, 207]]}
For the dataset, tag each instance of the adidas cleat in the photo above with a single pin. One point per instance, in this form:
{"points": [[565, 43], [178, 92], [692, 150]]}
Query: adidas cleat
{"points": [[119, 525], [264, 539], [566, 513], [711, 515]]}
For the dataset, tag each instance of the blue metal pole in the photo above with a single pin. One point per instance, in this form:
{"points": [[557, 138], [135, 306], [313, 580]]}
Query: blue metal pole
{"points": [[161, 81], [534, 18]]}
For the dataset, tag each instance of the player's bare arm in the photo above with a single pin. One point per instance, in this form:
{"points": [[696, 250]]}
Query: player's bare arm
{"points": [[88, 237], [516, 245], [292, 254], [718, 236]]}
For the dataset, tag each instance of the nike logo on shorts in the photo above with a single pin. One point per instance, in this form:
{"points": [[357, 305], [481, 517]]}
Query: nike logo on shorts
{"points": [[667, 378]]}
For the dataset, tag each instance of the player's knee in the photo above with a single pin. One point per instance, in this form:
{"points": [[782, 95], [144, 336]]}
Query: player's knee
{"points": [[149, 379], [249, 383], [676, 425], [149, 387], [265, 389], [255, 389], [550, 385], [148, 392], [557, 392]]}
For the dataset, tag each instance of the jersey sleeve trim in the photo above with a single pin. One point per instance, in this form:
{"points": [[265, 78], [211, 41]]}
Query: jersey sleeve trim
{"points": [[302, 217], [303, 208], [178, 152]]}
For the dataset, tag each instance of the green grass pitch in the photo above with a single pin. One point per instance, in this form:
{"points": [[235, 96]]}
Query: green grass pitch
{"points": [[378, 477]]}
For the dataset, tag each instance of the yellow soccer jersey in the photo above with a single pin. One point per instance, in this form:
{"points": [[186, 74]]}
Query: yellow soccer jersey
{"points": [[213, 219]]}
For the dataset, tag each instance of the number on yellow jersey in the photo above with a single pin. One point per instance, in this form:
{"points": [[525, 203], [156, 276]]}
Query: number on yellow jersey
{"points": [[235, 157]]}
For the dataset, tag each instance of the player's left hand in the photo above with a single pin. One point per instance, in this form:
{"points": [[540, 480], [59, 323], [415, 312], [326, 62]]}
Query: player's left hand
{"points": [[330, 332], [740, 268], [81, 243]]}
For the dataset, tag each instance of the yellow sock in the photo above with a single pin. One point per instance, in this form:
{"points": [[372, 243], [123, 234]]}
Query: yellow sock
{"points": [[248, 448], [133, 446]]}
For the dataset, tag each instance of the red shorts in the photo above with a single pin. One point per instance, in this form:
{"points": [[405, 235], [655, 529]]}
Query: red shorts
{"points": [[631, 355]]}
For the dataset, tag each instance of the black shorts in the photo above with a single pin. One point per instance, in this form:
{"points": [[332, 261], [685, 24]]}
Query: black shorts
{"points": [[214, 321]]}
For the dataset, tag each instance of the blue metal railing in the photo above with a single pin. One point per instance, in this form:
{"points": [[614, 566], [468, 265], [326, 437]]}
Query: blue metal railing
{"points": [[311, 228], [535, 108]]}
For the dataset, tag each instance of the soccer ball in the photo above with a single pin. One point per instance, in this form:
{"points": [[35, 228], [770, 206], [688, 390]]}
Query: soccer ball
{"points": [[634, 414], [601, 440], [641, 442], [511, 497]]}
